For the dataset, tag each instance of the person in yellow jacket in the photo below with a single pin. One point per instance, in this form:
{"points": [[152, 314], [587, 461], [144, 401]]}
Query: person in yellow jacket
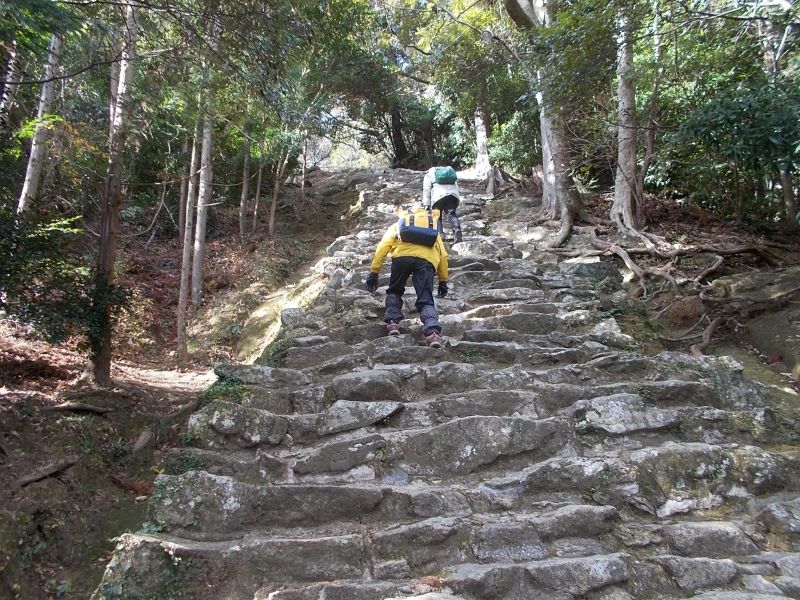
{"points": [[420, 263]]}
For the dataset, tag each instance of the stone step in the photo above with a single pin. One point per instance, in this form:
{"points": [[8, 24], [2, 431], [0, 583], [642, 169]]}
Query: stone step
{"points": [[457, 447], [338, 590], [201, 505], [675, 478], [386, 556], [630, 416], [556, 579], [234, 568], [425, 547]]}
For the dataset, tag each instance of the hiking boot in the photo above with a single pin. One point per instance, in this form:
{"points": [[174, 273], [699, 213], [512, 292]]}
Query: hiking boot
{"points": [[458, 237], [393, 328], [434, 340]]}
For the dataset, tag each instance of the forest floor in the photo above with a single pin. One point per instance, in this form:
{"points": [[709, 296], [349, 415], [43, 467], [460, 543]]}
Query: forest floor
{"points": [[77, 463]]}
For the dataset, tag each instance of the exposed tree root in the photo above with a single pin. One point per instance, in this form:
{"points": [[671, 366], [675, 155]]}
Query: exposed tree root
{"points": [[698, 349], [48, 470], [78, 407], [681, 283]]}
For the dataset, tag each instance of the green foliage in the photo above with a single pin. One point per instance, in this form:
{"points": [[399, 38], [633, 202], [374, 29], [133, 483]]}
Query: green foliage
{"points": [[727, 148], [515, 144], [274, 355], [756, 128], [40, 283], [229, 390]]}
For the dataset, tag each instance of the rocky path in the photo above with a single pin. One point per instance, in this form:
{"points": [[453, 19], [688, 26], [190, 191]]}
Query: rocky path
{"points": [[540, 455]]}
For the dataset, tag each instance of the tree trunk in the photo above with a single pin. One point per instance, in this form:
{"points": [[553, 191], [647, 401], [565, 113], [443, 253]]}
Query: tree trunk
{"points": [[257, 199], [482, 163], [276, 188], [549, 197], [12, 77], [303, 170], [622, 211], [569, 201], [650, 132], [245, 186], [203, 202], [187, 232], [204, 193], [100, 338], [186, 256], [789, 200], [558, 189], [184, 188], [401, 154], [113, 79], [38, 156]]}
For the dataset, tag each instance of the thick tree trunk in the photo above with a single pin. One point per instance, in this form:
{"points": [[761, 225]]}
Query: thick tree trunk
{"points": [[184, 291], [623, 213], [569, 202], [203, 202], [276, 189], [789, 200], [558, 189], [549, 197], [245, 186], [482, 163], [401, 154], [650, 131], [112, 198], [38, 156], [12, 78]]}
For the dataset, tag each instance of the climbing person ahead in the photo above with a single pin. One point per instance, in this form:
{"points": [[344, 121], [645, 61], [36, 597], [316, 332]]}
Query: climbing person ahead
{"points": [[440, 191], [415, 259]]}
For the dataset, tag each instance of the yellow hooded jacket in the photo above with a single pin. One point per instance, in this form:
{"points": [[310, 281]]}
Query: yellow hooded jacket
{"points": [[391, 244]]}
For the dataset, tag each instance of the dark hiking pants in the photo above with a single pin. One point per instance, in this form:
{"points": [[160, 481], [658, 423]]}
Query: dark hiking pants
{"points": [[421, 273], [448, 205]]}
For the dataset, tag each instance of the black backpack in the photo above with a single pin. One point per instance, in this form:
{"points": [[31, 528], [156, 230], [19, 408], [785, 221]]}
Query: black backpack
{"points": [[418, 228]]}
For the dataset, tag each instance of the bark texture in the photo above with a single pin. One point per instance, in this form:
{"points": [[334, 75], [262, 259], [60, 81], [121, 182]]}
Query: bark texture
{"points": [[38, 155], [112, 198]]}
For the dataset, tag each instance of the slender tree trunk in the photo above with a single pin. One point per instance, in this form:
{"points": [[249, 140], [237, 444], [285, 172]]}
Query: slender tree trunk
{"points": [[482, 163], [276, 188], [112, 198], [789, 200], [622, 211], [113, 79], [186, 257], [38, 156], [245, 185], [184, 189], [303, 170], [12, 78], [203, 202], [257, 199], [204, 193], [738, 191]]}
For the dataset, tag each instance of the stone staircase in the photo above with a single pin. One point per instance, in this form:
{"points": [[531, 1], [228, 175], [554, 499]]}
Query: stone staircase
{"points": [[540, 455]]}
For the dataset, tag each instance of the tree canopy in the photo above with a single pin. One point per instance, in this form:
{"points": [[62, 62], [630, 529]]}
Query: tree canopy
{"points": [[714, 117]]}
